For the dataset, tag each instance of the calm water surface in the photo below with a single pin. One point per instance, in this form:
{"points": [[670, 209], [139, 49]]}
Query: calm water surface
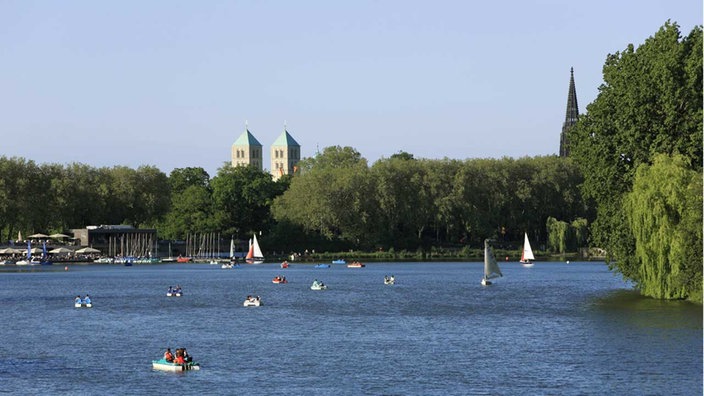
{"points": [[558, 329]]}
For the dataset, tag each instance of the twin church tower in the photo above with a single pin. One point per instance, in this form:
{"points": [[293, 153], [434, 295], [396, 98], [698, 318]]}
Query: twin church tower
{"points": [[285, 153]]}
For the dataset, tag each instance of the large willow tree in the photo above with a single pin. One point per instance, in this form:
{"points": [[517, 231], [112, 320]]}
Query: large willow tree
{"points": [[649, 103], [664, 211]]}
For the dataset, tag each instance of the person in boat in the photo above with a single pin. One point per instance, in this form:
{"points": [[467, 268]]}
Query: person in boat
{"points": [[86, 300], [186, 357], [171, 290], [168, 356], [179, 357], [78, 300]]}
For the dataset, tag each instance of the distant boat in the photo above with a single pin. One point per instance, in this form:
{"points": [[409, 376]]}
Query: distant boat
{"points": [[322, 266], [29, 260], [254, 255], [527, 255], [491, 267], [339, 261], [171, 258], [163, 365]]}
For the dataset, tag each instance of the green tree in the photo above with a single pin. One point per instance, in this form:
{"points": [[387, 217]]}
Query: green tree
{"points": [[650, 103], [242, 198], [664, 211], [332, 196]]}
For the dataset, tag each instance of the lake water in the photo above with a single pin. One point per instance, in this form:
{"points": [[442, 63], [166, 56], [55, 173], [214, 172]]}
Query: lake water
{"points": [[556, 328]]}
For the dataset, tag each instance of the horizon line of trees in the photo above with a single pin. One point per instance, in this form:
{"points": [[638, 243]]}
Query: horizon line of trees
{"points": [[335, 202]]}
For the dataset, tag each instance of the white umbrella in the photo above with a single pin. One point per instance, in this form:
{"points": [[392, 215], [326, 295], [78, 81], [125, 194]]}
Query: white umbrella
{"points": [[38, 236], [10, 251], [60, 250], [59, 236], [87, 250]]}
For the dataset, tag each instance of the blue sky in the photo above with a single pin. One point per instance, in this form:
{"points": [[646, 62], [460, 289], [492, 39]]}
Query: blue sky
{"points": [[172, 83]]}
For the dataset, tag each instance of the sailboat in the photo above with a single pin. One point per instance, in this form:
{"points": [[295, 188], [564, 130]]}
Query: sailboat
{"points": [[233, 259], [491, 267], [527, 255], [45, 255], [29, 260], [254, 255]]}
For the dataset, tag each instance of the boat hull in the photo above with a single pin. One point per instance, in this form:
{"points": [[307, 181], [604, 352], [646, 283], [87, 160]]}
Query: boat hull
{"points": [[252, 303], [173, 294], [163, 365]]}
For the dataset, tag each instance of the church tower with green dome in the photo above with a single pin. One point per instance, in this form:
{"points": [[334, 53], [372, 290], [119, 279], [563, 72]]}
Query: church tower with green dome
{"points": [[247, 151], [285, 154]]}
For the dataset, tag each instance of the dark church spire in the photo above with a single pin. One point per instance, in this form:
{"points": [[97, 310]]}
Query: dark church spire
{"points": [[571, 116]]}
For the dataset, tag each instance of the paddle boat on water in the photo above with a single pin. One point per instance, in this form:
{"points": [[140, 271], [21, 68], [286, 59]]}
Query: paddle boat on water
{"points": [[252, 301], [284, 264], [181, 362], [279, 279], [79, 302], [389, 280], [318, 285], [322, 266], [174, 291], [339, 261], [163, 365], [355, 264]]}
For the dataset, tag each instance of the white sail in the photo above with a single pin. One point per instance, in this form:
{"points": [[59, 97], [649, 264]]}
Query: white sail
{"points": [[491, 267], [527, 251], [232, 248], [257, 250]]}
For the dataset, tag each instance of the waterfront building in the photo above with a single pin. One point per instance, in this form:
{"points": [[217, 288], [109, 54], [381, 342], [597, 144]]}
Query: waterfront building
{"points": [[285, 154], [571, 117]]}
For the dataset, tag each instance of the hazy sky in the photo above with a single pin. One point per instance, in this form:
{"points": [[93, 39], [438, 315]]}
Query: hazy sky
{"points": [[172, 83]]}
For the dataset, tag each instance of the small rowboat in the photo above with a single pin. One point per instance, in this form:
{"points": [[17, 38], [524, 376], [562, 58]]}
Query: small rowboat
{"points": [[163, 365]]}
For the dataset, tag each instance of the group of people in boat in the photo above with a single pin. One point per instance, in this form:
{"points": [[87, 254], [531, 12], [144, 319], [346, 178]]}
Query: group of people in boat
{"points": [[253, 298], [174, 290], [82, 301], [317, 283], [389, 280], [279, 279], [181, 356]]}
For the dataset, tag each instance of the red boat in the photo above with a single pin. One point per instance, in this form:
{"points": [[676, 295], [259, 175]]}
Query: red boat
{"points": [[180, 259], [355, 264], [279, 279]]}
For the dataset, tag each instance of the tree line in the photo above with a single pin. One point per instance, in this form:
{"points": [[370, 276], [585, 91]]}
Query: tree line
{"points": [[335, 201]]}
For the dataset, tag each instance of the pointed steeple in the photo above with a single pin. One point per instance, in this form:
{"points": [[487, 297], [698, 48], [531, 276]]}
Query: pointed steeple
{"points": [[571, 117]]}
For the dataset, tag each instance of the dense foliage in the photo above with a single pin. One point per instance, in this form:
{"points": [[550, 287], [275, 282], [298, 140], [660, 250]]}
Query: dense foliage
{"points": [[50, 197], [404, 203], [650, 103], [337, 202]]}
